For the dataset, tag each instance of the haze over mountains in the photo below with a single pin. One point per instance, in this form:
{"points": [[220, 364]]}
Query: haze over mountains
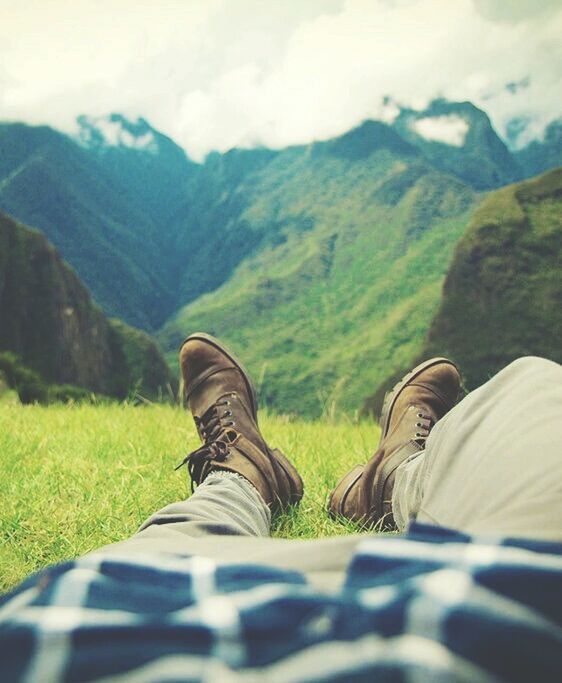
{"points": [[321, 264]]}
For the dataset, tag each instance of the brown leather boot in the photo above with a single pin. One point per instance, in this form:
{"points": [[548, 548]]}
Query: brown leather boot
{"points": [[409, 412], [223, 402]]}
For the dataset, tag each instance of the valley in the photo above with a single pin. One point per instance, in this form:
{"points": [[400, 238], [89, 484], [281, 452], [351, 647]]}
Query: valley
{"points": [[322, 265]]}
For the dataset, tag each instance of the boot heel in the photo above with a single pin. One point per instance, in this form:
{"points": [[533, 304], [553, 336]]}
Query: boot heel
{"points": [[294, 478], [338, 497]]}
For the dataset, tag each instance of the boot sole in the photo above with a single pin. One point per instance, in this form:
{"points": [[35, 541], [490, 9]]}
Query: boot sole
{"points": [[202, 336], [392, 396]]}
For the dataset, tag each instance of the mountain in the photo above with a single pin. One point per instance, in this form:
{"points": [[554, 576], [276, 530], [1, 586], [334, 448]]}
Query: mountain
{"points": [[542, 155], [48, 181], [502, 296], [48, 319], [141, 223], [210, 238], [145, 164], [322, 263], [458, 138], [503, 293]]}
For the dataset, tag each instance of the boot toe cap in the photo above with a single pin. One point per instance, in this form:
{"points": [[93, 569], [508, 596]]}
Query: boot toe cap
{"points": [[196, 356], [446, 380]]}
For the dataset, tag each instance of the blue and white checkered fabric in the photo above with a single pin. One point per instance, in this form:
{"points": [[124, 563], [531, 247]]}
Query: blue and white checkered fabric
{"points": [[429, 606]]}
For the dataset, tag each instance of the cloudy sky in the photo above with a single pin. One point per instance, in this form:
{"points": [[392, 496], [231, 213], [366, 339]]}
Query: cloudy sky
{"points": [[218, 73]]}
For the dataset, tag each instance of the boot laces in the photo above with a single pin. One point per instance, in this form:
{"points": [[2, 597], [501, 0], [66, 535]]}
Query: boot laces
{"points": [[424, 425], [214, 419], [217, 433]]}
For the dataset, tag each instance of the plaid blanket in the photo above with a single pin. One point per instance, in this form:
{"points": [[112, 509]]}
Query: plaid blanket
{"points": [[433, 605]]}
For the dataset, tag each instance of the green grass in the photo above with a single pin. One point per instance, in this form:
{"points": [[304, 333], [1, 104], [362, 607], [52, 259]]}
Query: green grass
{"points": [[74, 478]]}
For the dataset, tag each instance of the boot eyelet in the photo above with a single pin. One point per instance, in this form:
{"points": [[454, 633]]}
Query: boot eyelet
{"points": [[418, 424], [232, 423], [419, 415], [418, 434]]}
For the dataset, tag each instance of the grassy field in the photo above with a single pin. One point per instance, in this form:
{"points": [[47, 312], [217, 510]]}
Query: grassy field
{"points": [[74, 478]]}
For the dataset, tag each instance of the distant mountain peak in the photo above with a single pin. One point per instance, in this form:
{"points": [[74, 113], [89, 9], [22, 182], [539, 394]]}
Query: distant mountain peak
{"points": [[115, 130], [449, 123], [366, 138], [459, 138]]}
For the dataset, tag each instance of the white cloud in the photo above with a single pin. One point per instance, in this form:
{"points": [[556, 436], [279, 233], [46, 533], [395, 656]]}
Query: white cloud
{"points": [[451, 130], [514, 10], [115, 135], [214, 73]]}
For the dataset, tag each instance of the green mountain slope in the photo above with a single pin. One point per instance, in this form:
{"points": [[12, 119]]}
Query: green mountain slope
{"points": [[209, 239], [345, 246], [142, 162], [503, 294], [49, 182], [321, 264], [142, 224], [213, 222], [48, 319]]}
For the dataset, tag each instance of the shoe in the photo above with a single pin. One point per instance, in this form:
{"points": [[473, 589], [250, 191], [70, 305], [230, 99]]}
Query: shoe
{"points": [[222, 400], [410, 410]]}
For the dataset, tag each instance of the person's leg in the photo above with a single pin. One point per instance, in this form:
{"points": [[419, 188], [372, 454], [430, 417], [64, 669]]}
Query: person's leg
{"points": [[240, 480], [420, 399], [224, 505], [493, 464], [227, 521]]}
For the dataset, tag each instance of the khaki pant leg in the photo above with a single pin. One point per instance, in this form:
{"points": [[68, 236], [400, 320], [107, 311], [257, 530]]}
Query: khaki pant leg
{"points": [[493, 465]]}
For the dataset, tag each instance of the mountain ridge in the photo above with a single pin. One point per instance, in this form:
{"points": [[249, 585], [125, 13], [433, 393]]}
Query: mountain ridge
{"points": [[511, 255], [353, 234], [48, 319], [149, 167], [47, 181], [474, 153], [502, 296], [141, 197], [337, 224]]}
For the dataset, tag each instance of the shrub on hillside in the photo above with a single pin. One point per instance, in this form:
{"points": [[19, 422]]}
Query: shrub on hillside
{"points": [[28, 384], [68, 393], [31, 388]]}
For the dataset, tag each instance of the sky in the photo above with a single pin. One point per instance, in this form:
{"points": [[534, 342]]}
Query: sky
{"points": [[214, 74]]}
